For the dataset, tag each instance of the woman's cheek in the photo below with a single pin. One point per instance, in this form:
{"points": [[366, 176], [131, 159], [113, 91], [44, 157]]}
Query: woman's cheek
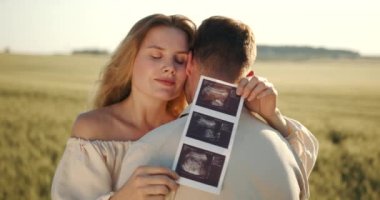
{"points": [[183, 76]]}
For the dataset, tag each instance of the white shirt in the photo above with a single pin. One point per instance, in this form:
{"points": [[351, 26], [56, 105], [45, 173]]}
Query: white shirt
{"points": [[262, 165]]}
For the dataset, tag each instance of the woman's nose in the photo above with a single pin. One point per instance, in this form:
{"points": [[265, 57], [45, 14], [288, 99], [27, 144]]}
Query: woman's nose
{"points": [[169, 67]]}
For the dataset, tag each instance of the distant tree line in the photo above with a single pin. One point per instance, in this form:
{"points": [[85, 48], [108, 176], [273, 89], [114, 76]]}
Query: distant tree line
{"points": [[90, 51], [265, 52], [7, 50]]}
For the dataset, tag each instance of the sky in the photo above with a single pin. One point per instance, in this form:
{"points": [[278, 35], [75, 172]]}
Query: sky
{"points": [[59, 26]]}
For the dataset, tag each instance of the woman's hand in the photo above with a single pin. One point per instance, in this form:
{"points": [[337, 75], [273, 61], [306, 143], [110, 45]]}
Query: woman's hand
{"points": [[148, 182], [260, 96]]}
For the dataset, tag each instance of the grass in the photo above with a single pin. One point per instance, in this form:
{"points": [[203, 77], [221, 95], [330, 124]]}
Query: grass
{"points": [[338, 100]]}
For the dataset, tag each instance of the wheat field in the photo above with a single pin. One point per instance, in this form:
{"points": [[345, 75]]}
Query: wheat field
{"points": [[338, 100]]}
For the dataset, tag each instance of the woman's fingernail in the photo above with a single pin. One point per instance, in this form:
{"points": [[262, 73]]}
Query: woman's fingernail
{"points": [[251, 73]]}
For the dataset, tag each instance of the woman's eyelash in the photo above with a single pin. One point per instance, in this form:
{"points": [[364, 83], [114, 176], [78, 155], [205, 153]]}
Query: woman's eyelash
{"points": [[179, 61]]}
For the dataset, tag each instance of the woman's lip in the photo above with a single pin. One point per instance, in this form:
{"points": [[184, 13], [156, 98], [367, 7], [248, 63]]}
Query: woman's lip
{"points": [[167, 82]]}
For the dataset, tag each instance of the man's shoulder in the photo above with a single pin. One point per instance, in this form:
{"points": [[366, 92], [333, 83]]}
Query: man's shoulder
{"points": [[253, 131], [254, 124], [173, 125], [170, 129], [163, 142]]}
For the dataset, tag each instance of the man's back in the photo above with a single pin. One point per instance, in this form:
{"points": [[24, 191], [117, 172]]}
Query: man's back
{"points": [[262, 164]]}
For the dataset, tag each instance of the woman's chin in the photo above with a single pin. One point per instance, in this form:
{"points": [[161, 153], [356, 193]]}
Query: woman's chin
{"points": [[166, 95]]}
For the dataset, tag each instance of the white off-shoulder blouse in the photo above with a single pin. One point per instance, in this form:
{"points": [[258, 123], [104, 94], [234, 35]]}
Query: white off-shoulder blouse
{"points": [[89, 169], [95, 169]]}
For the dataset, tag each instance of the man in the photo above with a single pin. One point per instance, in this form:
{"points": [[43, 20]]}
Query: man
{"points": [[262, 163]]}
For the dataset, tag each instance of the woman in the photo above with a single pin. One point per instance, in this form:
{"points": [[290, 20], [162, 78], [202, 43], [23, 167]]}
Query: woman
{"points": [[141, 89]]}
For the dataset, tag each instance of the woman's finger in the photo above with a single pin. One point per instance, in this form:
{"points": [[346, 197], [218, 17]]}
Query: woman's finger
{"points": [[256, 91], [250, 86], [143, 170], [154, 190], [267, 92], [242, 83], [158, 180], [155, 197]]}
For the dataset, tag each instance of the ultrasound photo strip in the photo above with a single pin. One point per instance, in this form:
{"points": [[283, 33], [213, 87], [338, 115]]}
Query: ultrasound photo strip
{"points": [[206, 143]]}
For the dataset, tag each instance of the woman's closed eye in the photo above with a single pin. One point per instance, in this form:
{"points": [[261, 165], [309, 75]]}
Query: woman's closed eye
{"points": [[156, 56], [180, 59]]}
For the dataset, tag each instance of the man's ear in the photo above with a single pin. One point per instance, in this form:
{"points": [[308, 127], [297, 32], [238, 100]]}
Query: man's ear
{"points": [[189, 64]]}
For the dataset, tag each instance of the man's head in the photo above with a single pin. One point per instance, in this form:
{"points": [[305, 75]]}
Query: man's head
{"points": [[223, 48]]}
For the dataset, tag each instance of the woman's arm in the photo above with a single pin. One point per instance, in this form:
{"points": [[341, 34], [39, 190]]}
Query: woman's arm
{"points": [[261, 98], [147, 181], [82, 173], [303, 143]]}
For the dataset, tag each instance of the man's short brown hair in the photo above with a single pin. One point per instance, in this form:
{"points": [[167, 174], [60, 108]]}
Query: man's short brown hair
{"points": [[225, 47]]}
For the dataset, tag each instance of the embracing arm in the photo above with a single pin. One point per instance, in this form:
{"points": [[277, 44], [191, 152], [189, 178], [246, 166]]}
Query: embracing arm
{"points": [[261, 98], [302, 141]]}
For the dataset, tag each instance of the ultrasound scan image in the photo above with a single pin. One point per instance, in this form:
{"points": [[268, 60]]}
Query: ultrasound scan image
{"points": [[210, 129], [218, 97], [200, 165]]}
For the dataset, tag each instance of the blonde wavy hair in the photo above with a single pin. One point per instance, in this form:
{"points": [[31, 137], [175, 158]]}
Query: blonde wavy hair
{"points": [[116, 78]]}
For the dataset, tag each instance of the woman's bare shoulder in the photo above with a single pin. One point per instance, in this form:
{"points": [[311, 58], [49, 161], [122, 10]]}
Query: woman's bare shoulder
{"points": [[90, 125]]}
